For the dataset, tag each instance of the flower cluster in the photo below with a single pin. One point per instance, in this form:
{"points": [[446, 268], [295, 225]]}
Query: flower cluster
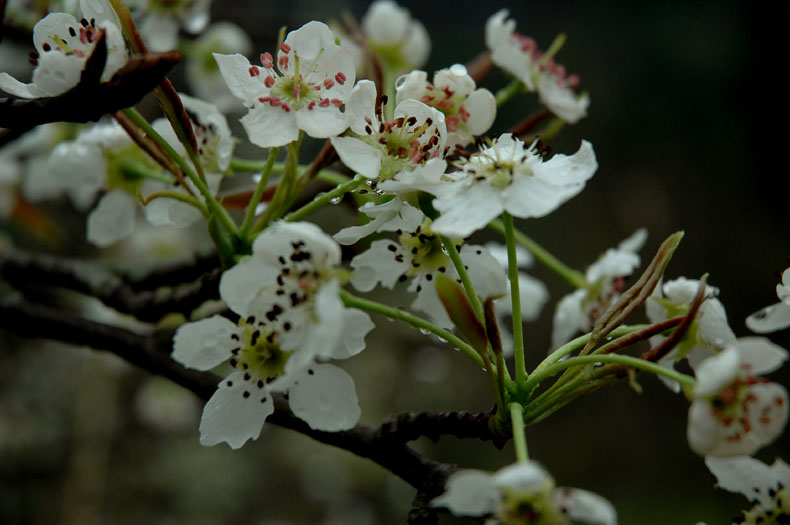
{"points": [[290, 319]]}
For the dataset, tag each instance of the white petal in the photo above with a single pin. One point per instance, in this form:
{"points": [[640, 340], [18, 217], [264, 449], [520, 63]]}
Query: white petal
{"points": [[358, 155], [529, 196], [561, 100], [240, 285], [204, 344], [269, 127], [469, 493], [383, 262], [232, 417], [468, 211], [748, 476], [586, 507], [717, 372], [277, 242], [112, 220], [18, 89], [325, 398], [428, 301], [361, 107], [487, 275], [573, 169], [769, 319], [160, 32], [703, 431], [235, 71], [759, 355], [569, 318], [321, 122], [523, 477], [481, 106], [356, 325]]}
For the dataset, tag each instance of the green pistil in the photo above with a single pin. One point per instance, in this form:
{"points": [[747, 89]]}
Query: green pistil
{"points": [[536, 507], [260, 354], [425, 249]]}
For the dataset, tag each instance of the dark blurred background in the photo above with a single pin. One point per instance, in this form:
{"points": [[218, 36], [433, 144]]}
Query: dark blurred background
{"points": [[688, 120]]}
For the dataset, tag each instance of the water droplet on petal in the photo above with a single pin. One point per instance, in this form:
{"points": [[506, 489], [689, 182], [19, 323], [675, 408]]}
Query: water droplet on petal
{"points": [[401, 81]]}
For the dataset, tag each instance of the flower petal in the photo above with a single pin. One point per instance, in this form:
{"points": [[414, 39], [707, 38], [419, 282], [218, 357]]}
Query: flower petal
{"points": [[235, 413], [204, 344], [469, 493], [112, 220], [325, 398]]}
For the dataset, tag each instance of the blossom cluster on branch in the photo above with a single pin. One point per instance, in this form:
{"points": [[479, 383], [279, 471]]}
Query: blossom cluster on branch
{"points": [[414, 157]]}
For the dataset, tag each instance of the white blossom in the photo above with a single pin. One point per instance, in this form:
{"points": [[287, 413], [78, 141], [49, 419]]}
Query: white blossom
{"points": [[161, 20], [767, 488], [519, 55], [521, 494], [418, 257], [291, 316], [401, 41], [578, 310], [776, 316], [380, 150], [734, 411], [508, 176], [709, 332], [468, 112], [63, 45], [313, 79]]}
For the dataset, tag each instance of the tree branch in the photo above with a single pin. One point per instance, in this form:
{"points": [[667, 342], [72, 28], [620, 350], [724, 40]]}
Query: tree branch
{"points": [[23, 268]]}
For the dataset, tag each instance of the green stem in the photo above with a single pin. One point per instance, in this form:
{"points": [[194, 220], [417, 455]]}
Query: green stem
{"points": [[177, 195], [511, 90], [249, 217], [452, 251], [573, 277], [211, 202], [332, 177], [324, 198], [579, 342], [627, 360], [515, 298], [137, 170], [367, 305], [519, 437]]}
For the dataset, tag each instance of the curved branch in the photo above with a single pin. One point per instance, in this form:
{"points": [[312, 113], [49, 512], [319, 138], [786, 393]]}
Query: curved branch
{"points": [[152, 352]]}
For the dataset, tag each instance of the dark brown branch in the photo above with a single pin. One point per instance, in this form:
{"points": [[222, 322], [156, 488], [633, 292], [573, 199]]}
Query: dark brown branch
{"points": [[152, 352], [433, 425], [24, 269]]}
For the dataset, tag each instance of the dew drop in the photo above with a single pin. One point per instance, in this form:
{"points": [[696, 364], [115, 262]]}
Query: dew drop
{"points": [[336, 199], [423, 331], [399, 83]]}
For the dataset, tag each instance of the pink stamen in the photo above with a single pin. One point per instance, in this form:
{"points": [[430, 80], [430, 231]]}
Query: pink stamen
{"points": [[266, 60], [254, 71], [324, 103], [328, 83], [311, 105], [297, 90], [340, 78], [336, 102], [463, 113], [426, 98], [283, 61], [452, 122], [285, 48], [268, 81], [286, 107]]}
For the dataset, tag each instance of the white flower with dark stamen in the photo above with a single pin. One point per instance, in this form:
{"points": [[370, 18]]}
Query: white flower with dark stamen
{"points": [[215, 148], [709, 332], [736, 412], [519, 55], [767, 488], [401, 41], [161, 20], [468, 112], [311, 82], [533, 293], [777, 316], [521, 494], [380, 149], [418, 256], [201, 69], [508, 176], [63, 45], [578, 311], [291, 316]]}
